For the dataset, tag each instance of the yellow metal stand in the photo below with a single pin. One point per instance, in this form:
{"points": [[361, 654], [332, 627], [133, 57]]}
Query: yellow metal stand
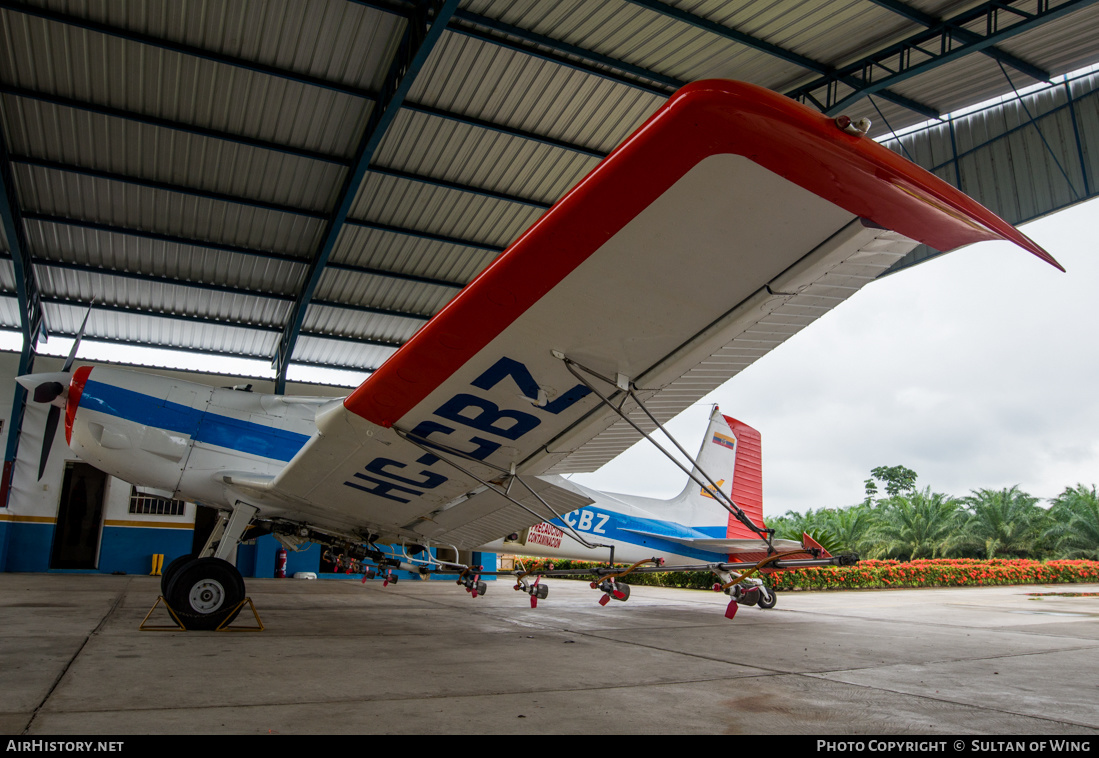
{"points": [[257, 628], [181, 627]]}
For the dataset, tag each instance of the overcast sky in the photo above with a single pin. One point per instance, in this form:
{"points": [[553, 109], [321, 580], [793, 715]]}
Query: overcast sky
{"points": [[977, 369]]}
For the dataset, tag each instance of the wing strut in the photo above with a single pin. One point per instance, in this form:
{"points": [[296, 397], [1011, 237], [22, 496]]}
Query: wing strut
{"points": [[436, 448], [626, 385]]}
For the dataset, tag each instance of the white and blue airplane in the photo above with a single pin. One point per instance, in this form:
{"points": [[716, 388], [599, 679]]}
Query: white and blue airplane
{"points": [[727, 222], [690, 529]]}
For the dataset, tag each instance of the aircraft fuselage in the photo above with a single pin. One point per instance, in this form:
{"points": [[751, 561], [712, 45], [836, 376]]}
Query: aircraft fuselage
{"points": [[173, 436]]}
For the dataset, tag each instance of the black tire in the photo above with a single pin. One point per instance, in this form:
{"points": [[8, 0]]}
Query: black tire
{"points": [[173, 567], [205, 593], [767, 597], [622, 589]]}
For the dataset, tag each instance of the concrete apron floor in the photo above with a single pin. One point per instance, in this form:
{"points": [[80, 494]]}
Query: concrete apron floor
{"points": [[342, 657]]}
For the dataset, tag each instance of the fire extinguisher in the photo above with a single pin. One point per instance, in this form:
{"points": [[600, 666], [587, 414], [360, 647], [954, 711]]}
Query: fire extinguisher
{"points": [[280, 563]]}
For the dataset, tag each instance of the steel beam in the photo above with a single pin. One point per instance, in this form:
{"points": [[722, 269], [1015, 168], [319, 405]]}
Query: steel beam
{"points": [[222, 289], [293, 76], [271, 255], [165, 123], [214, 353], [564, 54], [274, 328], [931, 48], [156, 184], [182, 48], [964, 35], [279, 147], [1031, 121], [776, 51], [422, 33], [31, 322], [223, 197]]}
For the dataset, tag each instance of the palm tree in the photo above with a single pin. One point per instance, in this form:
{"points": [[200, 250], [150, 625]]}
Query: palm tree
{"points": [[846, 529], [1002, 523], [814, 523], [915, 525], [1076, 529]]}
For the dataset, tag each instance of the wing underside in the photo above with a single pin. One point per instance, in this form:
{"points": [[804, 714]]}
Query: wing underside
{"points": [[730, 221]]}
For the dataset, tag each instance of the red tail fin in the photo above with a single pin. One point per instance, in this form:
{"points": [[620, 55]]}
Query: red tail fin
{"points": [[747, 479]]}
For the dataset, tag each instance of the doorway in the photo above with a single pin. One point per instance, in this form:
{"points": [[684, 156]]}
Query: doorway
{"points": [[79, 518]]}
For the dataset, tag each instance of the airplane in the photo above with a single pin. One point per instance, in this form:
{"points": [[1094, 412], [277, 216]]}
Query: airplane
{"points": [[688, 529], [732, 218]]}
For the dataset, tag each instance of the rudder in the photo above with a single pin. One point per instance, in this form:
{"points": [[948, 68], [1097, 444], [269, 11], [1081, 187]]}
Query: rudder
{"points": [[747, 489]]}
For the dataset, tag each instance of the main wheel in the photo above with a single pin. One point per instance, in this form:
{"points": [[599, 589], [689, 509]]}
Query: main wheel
{"points": [[167, 574], [205, 593], [767, 597]]}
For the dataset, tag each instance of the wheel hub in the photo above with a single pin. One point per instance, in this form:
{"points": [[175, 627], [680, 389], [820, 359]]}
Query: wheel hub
{"points": [[207, 596]]}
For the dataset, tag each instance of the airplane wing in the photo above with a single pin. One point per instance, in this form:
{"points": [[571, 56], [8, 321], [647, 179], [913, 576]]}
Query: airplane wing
{"points": [[730, 220]]}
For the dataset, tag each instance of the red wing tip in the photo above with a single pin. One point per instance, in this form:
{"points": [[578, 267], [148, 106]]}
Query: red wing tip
{"points": [[1033, 247], [1052, 261], [1041, 253]]}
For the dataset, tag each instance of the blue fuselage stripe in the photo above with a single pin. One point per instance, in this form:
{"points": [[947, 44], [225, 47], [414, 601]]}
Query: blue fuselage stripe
{"points": [[615, 527], [201, 426]]}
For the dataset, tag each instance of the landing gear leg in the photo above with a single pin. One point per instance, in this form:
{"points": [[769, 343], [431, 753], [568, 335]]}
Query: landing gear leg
{"points": [[206, 591]]}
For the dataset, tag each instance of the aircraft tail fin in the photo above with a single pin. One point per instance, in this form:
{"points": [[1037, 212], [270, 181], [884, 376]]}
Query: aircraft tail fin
{"points": [[731, 454], [747, 491]]}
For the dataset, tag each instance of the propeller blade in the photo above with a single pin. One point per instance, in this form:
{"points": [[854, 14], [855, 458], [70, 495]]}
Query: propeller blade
{"points": [[47, 438], [76, 344]]}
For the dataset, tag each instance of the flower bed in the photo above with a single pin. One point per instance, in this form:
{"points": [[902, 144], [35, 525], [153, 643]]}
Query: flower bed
{"points": [[943, 572]]}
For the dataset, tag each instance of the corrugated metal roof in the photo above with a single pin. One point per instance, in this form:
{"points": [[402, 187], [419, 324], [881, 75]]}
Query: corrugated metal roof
{"points": [[160, 330], [145, 152], [9, 310], [440, 210], [183, 163], [1021, 158], [7, 278], [127, 253], [412, 255]]}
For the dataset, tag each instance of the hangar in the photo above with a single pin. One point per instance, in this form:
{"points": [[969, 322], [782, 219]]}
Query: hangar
{"points": [[302, 185]]}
